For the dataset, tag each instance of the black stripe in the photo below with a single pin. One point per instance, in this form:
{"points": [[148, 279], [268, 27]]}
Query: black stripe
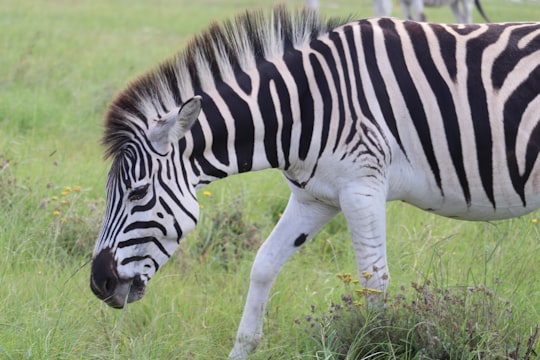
{"points": [[447, 44], [324, 91], [140, 154], [168, 168], [114, 222], [244, 81], [140, 258], [331, 61], [479, 110], [199, 144], [410, 94], [145, 207], [514, 108], [169, 211], [179, 165], [137, 225], [379, 86], [243, 125], [269, 74], [286, 119], [347, 31], [216, 122], [295, 64], [143, 240]]}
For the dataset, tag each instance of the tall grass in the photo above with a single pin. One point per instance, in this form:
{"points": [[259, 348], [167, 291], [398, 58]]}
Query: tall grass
{"points": [[61, 62]]}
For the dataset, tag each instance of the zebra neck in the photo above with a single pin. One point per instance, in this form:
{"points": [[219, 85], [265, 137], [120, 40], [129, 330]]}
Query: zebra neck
{"points": [[246, 126]]}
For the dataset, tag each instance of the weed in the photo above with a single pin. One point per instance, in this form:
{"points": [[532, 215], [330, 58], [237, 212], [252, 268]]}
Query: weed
{"points": [[421, 322], [225, 236]]}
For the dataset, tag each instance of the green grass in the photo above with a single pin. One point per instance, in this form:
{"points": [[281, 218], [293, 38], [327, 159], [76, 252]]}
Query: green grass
{"points": [[61, 62]]}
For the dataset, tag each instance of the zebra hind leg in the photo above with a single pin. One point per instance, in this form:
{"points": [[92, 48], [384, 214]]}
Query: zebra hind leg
{"points": [[300, 221]]}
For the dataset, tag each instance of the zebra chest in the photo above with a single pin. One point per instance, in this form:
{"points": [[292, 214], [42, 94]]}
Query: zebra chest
{"points": [[320, 183], [318, 188]]}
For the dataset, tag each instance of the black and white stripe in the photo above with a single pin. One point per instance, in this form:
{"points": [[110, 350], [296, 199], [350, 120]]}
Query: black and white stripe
{"points": [[355, 113]]}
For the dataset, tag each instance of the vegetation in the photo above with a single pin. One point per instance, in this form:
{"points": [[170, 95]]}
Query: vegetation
{"points": [[60, 65]]}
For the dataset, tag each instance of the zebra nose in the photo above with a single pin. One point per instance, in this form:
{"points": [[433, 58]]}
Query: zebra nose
{"points": [[104, 277]]}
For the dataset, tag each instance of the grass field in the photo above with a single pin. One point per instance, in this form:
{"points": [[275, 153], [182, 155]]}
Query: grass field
{"points": [[60, 64]]}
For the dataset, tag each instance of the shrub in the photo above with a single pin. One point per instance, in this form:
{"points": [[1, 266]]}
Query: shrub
{"points": [[420, 322]]}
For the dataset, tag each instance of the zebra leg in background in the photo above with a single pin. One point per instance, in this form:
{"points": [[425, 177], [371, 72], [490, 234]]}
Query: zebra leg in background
{"points": [[406, 8], [301, 220], [312, 4], [365, 211], [462, 10], [466, 13], [382, 7], [417, 9]]}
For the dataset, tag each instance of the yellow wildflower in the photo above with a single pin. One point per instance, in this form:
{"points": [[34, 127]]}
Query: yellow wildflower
{"points": [[64, 193], [361, 292], [77, 188], [63, 219], [56, 212], [67, 188], [357, 303], [207, 193], [534, 220], [54, 198], [367, 275], [367, 291], [64, 202], [346, 278]]}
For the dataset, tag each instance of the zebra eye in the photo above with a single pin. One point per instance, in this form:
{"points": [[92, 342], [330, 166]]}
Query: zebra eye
{"points": [[138, 193]]}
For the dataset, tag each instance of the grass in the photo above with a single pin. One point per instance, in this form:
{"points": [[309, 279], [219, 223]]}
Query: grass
{"points": [[60, 65]]}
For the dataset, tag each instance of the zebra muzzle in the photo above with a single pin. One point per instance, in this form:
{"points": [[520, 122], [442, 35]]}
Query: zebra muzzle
{"points": [[109, 287]]}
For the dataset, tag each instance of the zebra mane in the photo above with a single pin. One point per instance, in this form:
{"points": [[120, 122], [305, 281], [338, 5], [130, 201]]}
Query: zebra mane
{"points": [[215, 54]]}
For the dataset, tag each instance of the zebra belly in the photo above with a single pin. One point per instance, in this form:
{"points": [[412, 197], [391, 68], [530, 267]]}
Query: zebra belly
{"points": [[474, 212], [413, 185], [452, 204]]}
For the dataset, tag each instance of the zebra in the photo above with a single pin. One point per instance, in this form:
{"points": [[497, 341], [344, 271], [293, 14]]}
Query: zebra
{"points": [[382, 7], [354, 113], [462, 9]]}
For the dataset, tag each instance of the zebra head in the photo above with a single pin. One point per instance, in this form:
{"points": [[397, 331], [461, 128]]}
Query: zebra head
{"points": [[151, 203]]}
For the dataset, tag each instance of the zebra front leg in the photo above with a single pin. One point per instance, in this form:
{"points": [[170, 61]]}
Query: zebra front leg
{"points": [[300, 221], [365, 211]]}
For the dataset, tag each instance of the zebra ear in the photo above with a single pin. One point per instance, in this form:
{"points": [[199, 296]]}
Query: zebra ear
{"points": [[187, 115], [174, 125]]}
